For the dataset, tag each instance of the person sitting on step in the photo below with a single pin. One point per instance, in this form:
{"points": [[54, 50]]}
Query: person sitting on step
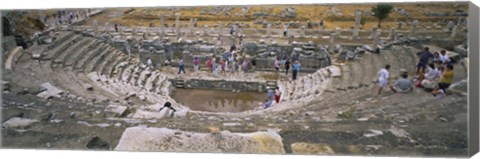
{"points": [[402, 85], [169, 106]]}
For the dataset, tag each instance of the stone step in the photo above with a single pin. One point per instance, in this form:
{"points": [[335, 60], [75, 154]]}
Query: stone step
{"points": [[126, 73], [379, 61], [108, 69], [60, 38], [103, 61], [118, 70], [161, 83], [143, 77], [93, 64], [357, 71], [413, 59], [12, 58], [60, 58], [72, 60], [369, 69], [48, 55], [394, 64], [136, 74], [345, 79], [155, 82], [149, 81], [81, 64]]}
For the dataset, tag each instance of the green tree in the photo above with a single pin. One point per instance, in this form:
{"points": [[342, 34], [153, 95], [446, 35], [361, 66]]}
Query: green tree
{"points": [[381, 11]]}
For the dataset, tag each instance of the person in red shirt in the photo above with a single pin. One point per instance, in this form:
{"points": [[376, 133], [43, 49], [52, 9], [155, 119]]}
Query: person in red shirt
{"points": [[209, 64]]}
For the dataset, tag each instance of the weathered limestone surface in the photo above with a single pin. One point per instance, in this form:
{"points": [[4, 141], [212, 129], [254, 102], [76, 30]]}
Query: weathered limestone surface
{"points": [[9, 64], [17, 122], [115, 110], [312, 148], [50, 91], [164, 139]]}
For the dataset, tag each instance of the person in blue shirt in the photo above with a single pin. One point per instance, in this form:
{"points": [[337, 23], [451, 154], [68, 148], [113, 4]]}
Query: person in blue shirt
{"points": [[181, 66], [424, 58], [268, 103], [296, 68]]}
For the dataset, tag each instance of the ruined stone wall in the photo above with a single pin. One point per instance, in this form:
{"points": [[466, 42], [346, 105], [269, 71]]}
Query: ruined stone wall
{"points": [[225, 85]]}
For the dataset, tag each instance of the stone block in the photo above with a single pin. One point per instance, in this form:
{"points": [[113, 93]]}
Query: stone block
{"points": [[312, 148], [50, 91], [17, 122], [164, 139], [115, 110]]}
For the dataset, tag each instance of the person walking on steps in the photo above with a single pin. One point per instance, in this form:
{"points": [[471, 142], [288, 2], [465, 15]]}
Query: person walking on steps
{"points": [[382, 77]]}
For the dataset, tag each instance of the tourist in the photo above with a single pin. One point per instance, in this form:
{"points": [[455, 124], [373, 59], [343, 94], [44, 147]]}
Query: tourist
{"points": [[231, 30], [232, 48], [149, 62], [444, 57], [285, 29], [402, 85], [429, 79], [234, 66], [424, 57], [270, 94], [296, 68], [284, 59], [382, 78], [181, 66], [276, 64], [287, 66], [116, 27], [215, 69], [278, 93], [436, 58], [268, 103], [240, 40], [445, 81], [254, 63], [214, 63], [169, 106], [209, 64], [196, 63], [245, 66], [223, 66]]}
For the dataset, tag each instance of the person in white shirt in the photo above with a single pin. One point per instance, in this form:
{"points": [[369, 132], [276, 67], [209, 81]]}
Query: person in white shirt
{"points": [[382, 78], [444, 57], [149, 62]]}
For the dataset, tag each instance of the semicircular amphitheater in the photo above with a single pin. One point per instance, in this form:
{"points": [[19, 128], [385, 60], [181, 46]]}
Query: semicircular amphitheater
{"points": [[90, 87]]}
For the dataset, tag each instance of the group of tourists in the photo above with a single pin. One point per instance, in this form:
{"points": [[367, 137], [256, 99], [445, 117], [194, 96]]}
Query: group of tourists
{"points": [[65, 17], [434, 72]]}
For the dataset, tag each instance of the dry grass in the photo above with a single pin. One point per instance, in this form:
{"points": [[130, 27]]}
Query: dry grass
{"points": [[312, 12]]}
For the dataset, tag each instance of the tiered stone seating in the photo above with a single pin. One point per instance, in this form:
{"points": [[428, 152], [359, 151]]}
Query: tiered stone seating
{"points": [[305, 87], [54, 52], [60, 58], [81, 63], [97, 60], [109, 68], [71, 60]]}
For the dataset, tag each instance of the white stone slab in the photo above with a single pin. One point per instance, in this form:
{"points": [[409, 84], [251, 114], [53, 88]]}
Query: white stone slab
{"points": [[163, 139], [51, 91], [17, 122], [115, 110], [335, 71]]}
